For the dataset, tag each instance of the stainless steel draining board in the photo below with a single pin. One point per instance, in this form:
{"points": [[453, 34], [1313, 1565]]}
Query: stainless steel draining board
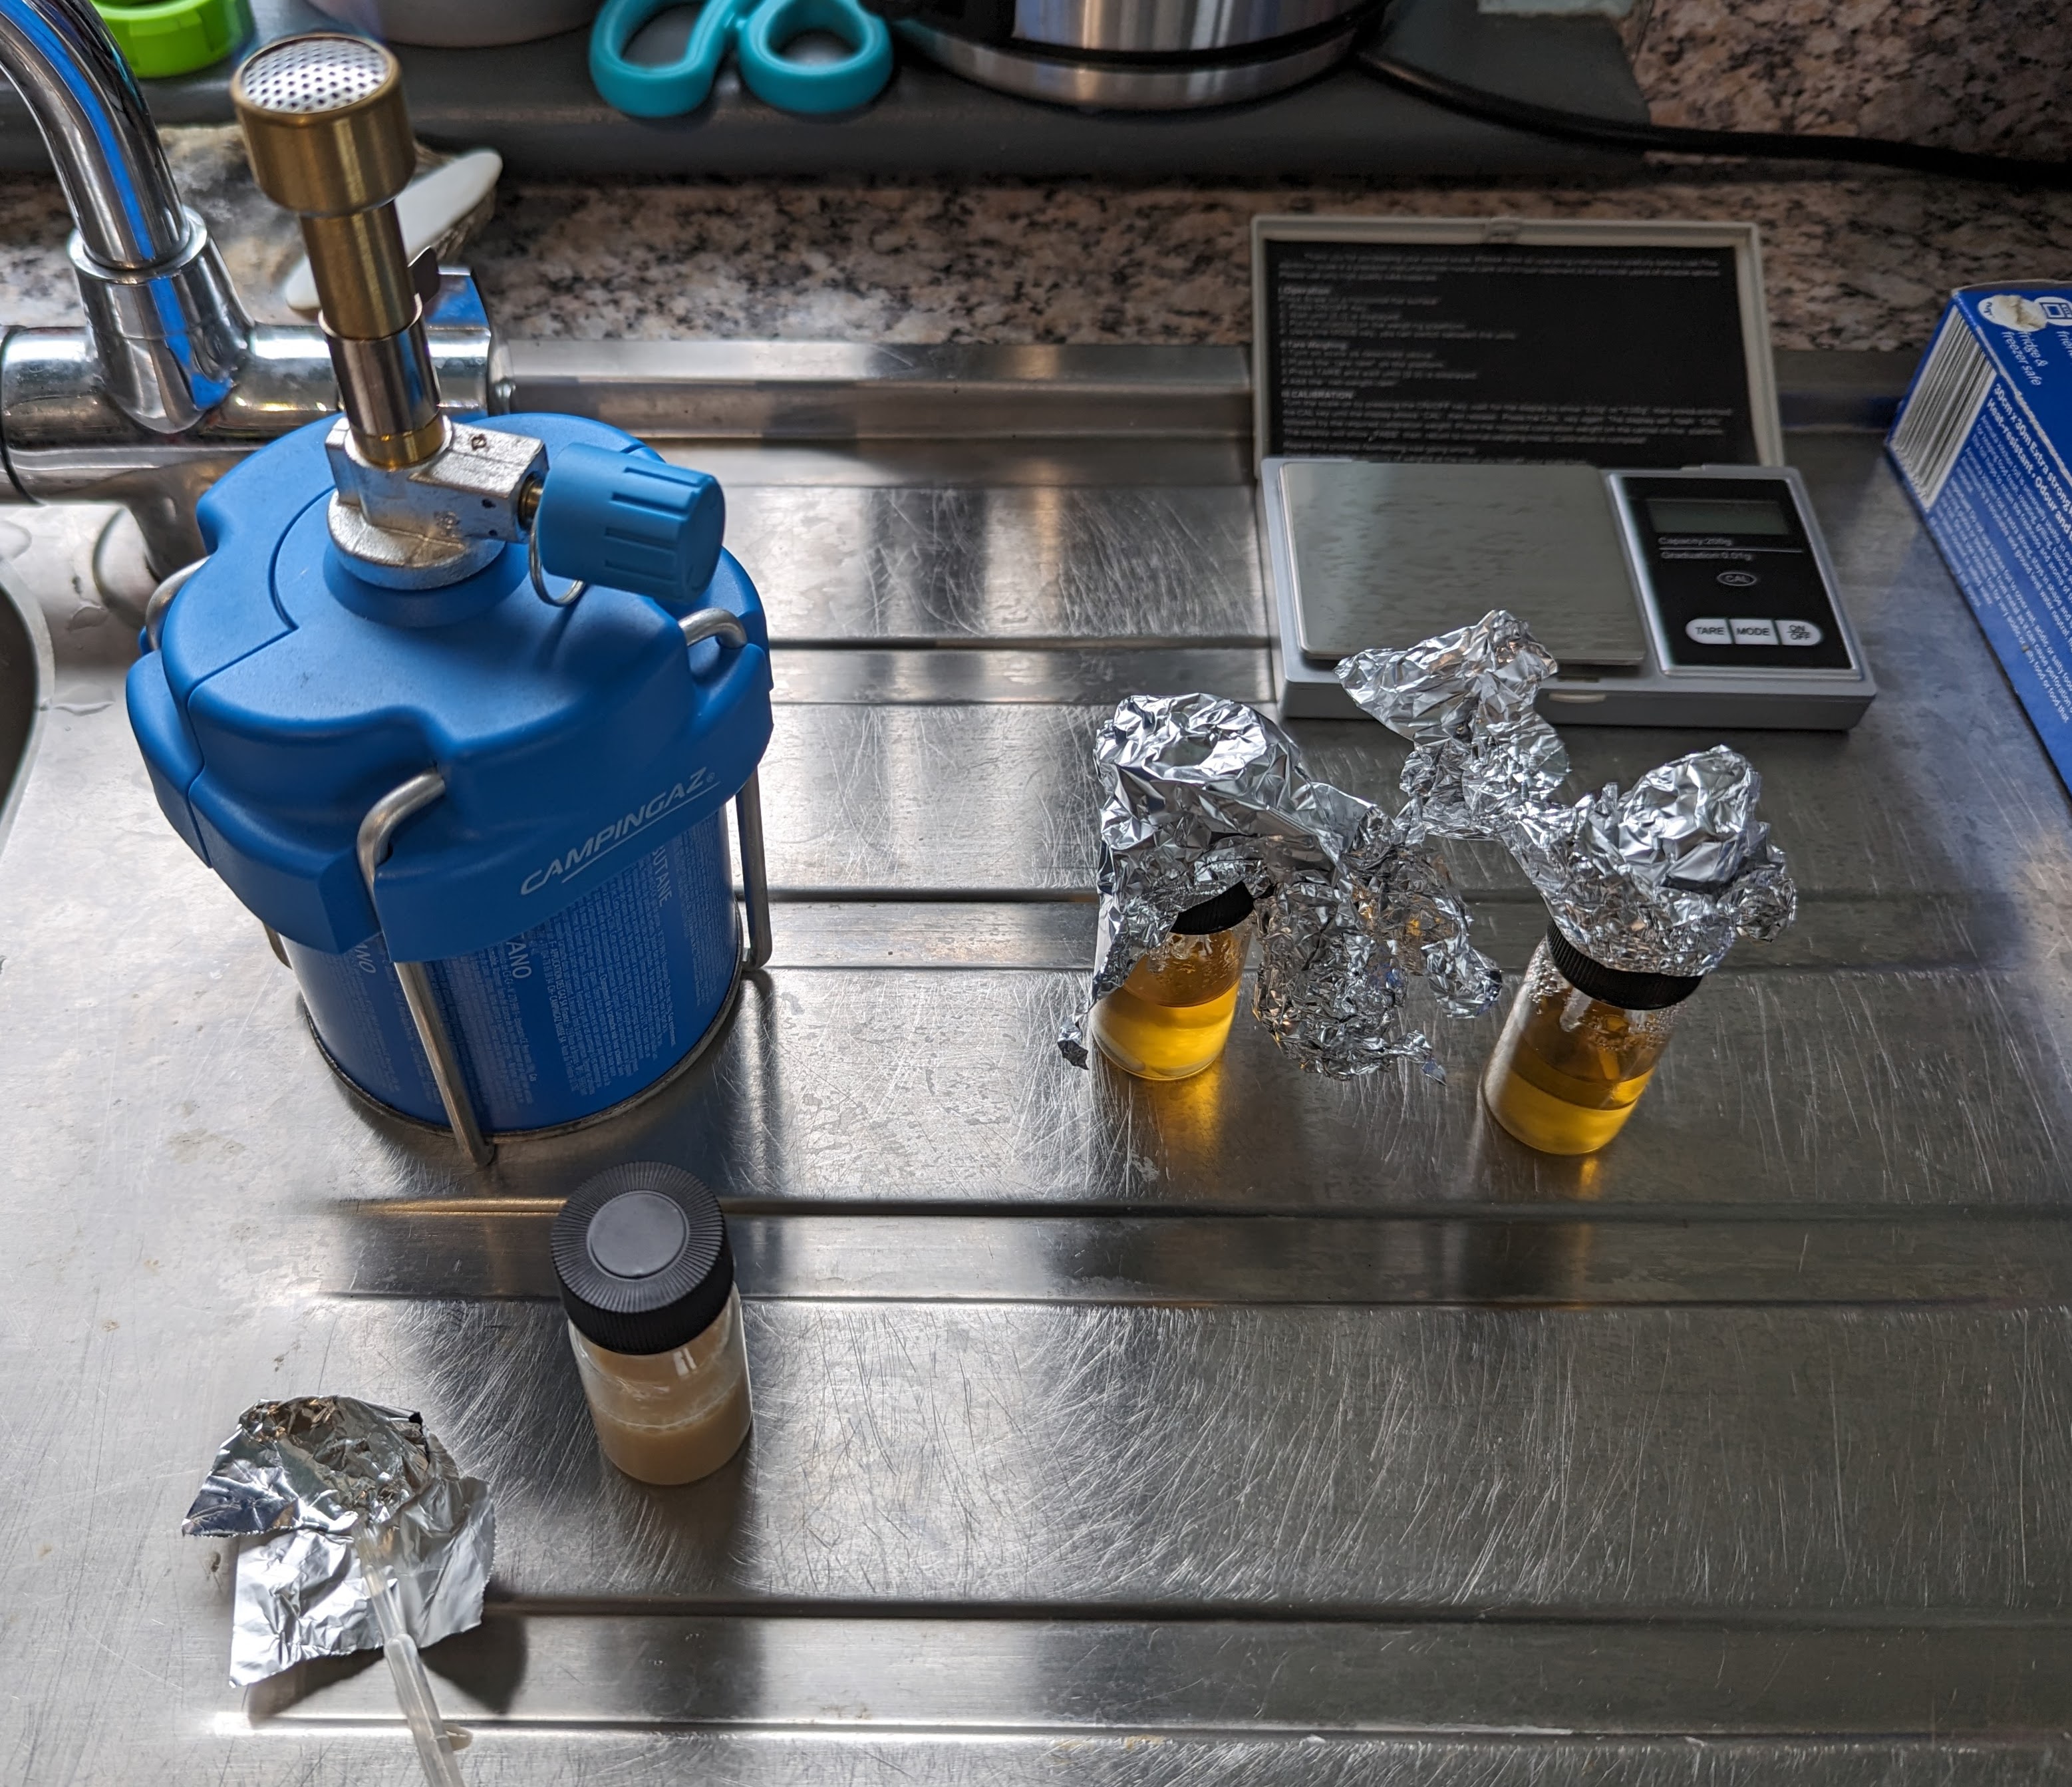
{"points": [[1254, 1429]]}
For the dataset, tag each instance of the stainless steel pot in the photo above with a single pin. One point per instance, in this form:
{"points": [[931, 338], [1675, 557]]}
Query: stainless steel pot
{"points": [[1132, 55], [460, 24], [1170, 27]]}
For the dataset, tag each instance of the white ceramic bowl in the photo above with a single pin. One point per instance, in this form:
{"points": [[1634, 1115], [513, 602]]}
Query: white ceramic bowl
{"points": [[460, 24]]}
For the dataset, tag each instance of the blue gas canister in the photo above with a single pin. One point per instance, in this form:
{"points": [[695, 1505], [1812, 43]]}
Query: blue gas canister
{"points": [[510, 789], [479, 807]]}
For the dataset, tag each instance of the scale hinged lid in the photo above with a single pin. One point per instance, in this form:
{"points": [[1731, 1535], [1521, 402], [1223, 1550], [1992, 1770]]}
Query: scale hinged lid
{"points": [[1605, 342]]}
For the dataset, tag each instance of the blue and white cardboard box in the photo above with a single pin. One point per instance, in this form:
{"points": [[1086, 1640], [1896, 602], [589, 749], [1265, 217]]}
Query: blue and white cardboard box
{"points": [[1983, 443]]}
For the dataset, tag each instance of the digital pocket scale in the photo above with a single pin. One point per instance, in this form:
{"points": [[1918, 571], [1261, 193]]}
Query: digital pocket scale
{"points": [[1575, 419], [1695, 597]]}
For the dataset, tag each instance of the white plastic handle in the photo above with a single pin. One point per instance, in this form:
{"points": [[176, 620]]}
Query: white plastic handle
{"points": [[428, 207]]}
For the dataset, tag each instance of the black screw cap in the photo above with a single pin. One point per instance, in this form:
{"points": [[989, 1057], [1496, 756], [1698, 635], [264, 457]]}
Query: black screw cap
{"points": [[643, 1257]]}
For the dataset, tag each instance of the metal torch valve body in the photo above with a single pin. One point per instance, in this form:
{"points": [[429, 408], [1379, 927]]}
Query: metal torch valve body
{"points": [[423, 526]]}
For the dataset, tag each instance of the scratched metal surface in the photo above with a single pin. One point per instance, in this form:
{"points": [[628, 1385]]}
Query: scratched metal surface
{"points": [[1039, 562], [1253, 1429], [450, 1248], [1333, 1678], [1330, 1461]]}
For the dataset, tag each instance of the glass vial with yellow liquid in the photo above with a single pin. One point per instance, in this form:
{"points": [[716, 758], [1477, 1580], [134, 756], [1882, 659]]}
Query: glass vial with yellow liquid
{"points": [[1579, 1047], [1171, 1017]]}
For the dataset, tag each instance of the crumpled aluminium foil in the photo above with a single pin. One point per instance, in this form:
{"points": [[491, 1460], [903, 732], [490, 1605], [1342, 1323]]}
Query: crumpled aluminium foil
{"points": [[1660, 880], [305, 1474], [1204, 792], [1480, 750]]}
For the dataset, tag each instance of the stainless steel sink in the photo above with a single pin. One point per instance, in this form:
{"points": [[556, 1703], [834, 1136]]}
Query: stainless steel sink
{"points": [[26, 674], [1254, 1429]]}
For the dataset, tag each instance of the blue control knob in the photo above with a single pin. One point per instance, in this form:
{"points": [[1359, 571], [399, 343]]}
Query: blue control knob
{"points": [[627, 522]]}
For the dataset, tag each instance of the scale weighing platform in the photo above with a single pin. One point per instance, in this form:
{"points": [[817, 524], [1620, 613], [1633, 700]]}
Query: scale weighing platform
{"points": [[1698, 597], [1575, 421]]}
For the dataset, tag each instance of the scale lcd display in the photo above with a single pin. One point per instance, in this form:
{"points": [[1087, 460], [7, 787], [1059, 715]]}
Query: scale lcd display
{"points": [[1711, 515]]}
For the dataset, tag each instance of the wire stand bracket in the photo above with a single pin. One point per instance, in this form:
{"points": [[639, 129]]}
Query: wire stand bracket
{"points": [[377, 832]]}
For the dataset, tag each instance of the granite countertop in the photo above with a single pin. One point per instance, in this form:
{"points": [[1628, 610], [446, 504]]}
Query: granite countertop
{"points": [[1861, 261], [1984, 75]]}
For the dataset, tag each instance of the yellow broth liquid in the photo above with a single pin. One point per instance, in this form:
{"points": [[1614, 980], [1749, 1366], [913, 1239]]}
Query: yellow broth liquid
{"points": [[1171, 1017], [674, 1417], [1569, 1091]]}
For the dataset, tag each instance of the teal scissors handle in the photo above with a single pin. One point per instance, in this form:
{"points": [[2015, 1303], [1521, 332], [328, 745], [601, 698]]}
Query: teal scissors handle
{"points": [[840, 86], [662, 90], [757, 31]]}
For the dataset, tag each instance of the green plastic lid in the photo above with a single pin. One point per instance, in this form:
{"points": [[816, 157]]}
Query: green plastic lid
{"points": [[175, 37]]}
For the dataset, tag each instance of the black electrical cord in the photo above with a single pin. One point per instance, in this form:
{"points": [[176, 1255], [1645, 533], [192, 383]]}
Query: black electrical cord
{"points": [[1676, 139]]}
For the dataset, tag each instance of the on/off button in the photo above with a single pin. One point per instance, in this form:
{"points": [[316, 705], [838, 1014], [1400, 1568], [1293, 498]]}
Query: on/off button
{"points": [[1708, 633]]}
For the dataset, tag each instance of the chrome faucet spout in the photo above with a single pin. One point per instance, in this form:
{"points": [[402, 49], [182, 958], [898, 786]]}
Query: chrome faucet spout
{"points": [[169, 334], [61, 59]]}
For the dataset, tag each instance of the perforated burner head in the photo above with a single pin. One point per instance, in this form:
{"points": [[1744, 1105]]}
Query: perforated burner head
{"points": [[325, 123], [324, 73]]}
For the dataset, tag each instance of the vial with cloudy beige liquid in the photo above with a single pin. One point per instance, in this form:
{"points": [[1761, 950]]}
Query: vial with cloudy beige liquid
{"points": [[1171, 1017], [1579, 1048], [647, 1279]]}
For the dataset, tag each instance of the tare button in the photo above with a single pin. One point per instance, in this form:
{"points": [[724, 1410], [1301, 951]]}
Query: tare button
{"points": [[1708, 633]]}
